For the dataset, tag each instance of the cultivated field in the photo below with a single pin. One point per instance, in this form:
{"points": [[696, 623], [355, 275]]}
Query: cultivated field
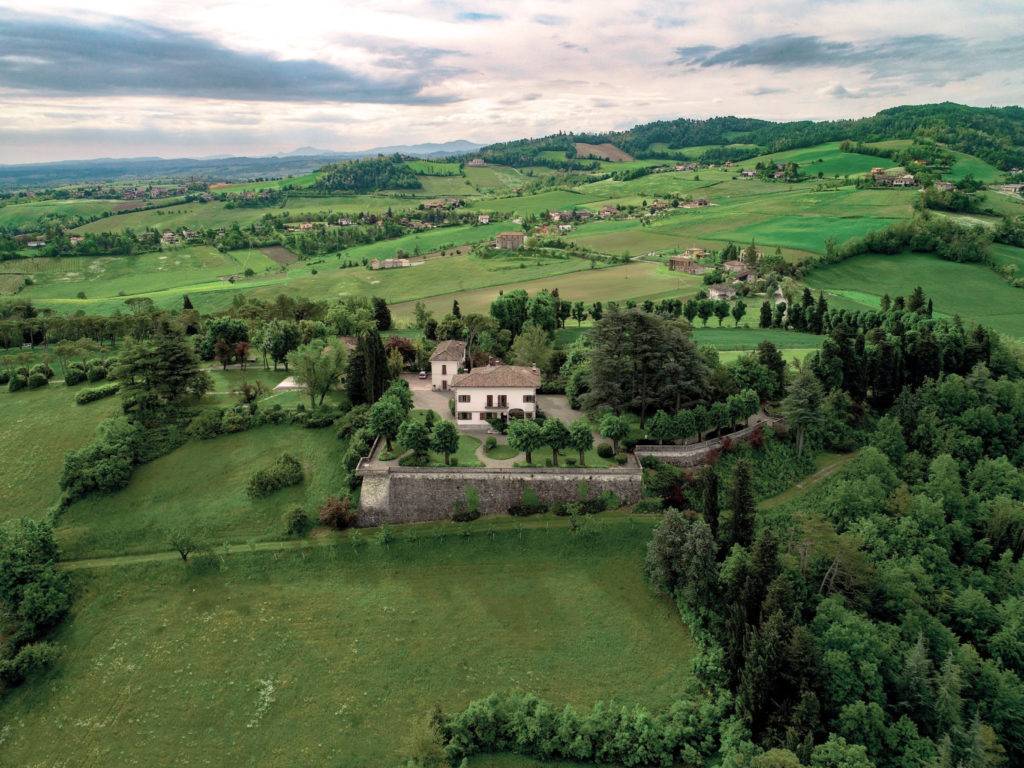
{"points": [[602, 152], [971, 290]]}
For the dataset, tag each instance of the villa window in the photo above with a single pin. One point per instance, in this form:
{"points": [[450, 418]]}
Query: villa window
{"points": [[463, 398], [529, 398]]}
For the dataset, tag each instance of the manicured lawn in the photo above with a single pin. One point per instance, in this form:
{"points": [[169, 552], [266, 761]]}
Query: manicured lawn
{"points": [[501, 452], [201, 485], [39, 427], [542, 456], [336, 655]]}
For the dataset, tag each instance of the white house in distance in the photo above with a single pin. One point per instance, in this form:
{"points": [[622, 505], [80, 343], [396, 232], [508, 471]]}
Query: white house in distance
{"points": [[495, 392], [448, 357]]}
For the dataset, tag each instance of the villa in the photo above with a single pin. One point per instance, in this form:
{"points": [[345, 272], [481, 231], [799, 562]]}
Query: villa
{"points": [[495, 392]]}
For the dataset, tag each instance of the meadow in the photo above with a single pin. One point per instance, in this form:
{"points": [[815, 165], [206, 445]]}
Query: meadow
{"points": [[973, 291], [136, 519], [21, 213], [335, 655], [39, 427], [636, 280]]}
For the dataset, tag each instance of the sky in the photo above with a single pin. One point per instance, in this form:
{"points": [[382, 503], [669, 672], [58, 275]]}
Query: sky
{"points": [[134, 78]]}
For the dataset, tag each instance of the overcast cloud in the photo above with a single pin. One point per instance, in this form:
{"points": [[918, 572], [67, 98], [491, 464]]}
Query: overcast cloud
{"points": [[156, 77]]}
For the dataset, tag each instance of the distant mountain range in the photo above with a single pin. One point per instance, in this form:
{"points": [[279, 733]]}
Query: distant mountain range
{"points": [[221, 167]]}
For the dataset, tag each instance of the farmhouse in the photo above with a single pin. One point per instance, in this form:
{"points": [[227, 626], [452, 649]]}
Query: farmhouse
{"points": [[75, 239], [721, 291], [695, 253], [748, 174], [477, 162], [483, 218], [734, 265], [510, 241], [445, 363], [687, 167], [945, 186], [389, 264], [687, 265], [745, 276], [906, 180], [495, 392]]}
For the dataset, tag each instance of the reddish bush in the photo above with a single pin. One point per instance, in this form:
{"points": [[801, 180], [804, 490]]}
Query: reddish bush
{"points": [[757, 438], [337, 513], [712, 457], [727, 444]]}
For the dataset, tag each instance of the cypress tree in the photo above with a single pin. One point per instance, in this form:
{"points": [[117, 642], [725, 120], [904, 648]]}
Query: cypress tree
{"points": [[709, 494], [742, 505], [376, 373]]}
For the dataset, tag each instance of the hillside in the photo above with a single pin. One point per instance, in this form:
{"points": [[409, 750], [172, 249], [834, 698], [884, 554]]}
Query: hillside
{"points": [[994, 134]]}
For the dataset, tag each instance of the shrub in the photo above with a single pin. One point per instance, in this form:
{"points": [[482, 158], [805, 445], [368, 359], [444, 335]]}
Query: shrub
{"points": [[453, 461], [648, 507], [235, 420], [490, 443], [206, 425], [74, 376], [296, 521], [284, 472], [337, 513], [621, 458], [525, 510], [609, 500], [96, 393], [627, 444], [41, 369], [604, 450], [97, 371], [463, 513], [355, 419], [5, 376], [17, 382], [104, 465], [37, 380], [322, 417], [570, 461]]}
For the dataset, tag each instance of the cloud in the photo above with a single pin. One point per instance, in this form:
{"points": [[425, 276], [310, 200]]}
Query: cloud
{"points": [[923, 59], [549, 20], [44, 56], [764, 90], [474, 16], [574, 47]]}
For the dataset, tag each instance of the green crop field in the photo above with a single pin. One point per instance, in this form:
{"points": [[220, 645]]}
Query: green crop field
{"points": [[979, 169], [428, 168], [545, 201], [833, 161], [748, 338], [806, 233], [306, 180], [446, 186], [494, 178], [20, 214], [973, 291], [40, 427], [335, 655], [636, 280]]}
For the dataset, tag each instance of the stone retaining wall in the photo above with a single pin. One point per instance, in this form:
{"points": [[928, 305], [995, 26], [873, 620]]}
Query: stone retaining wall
{"points": [[421, 494], [695, 455]]}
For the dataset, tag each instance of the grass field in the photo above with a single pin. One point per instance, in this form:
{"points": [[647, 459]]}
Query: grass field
{"points": [[39, 427], [134, 519], [20, 214], [636, 280], [428, 168], [833, 161], [971, 290], [748, 338], [356, 645]]}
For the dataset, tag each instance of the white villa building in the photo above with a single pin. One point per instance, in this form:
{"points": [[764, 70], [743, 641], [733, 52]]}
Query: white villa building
{"points": [[445, 363], [495, 392]]}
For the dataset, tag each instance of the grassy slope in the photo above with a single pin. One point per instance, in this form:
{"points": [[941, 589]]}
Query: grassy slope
{"points": [[359, 646], [971, 290], [39, 427], [636, 280], [24, 213], [134, 519]]}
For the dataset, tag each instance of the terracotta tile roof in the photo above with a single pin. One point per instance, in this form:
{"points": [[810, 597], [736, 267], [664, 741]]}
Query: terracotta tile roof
{"points": [[449, 351], [499, 376]]}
